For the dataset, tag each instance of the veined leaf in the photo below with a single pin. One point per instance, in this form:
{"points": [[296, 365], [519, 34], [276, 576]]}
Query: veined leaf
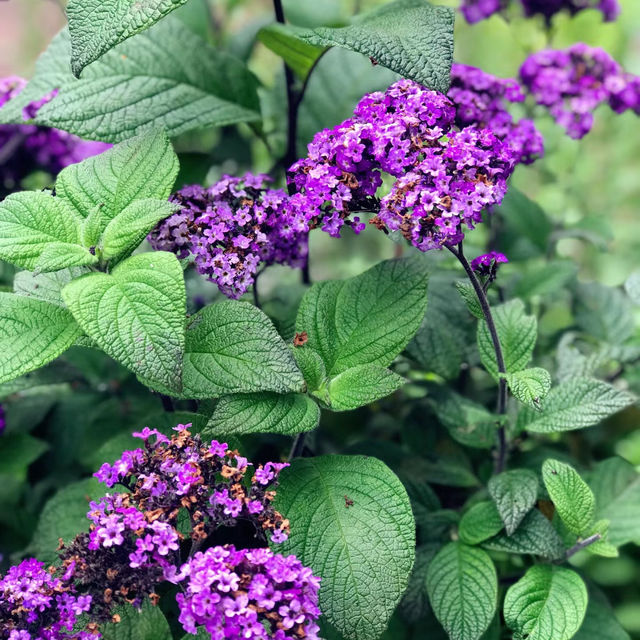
{"points": [[480, 522], [530, 386], [146, 623], [515, 493], [360, 386], [62, 255]]}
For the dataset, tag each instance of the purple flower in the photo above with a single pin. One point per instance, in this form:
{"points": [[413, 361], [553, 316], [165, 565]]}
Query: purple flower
{"points": [[548, 8], [487, 263], [477, 10]]}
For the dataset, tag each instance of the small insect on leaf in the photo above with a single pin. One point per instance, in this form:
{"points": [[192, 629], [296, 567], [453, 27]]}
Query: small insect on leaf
{"points": [[347, 502]]}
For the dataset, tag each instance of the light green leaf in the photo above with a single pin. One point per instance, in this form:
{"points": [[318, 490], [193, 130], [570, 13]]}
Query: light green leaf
{"points": [[99, 25], [632, 287], [362, 385], [263, 412], [62, 255], [32, 333], [463, 590], [601, 547], [514, 492], [471, 299], [92, 225], [29, 221], [232, 347], [102, 186], [136, 314], [411, 37], [575, 404], [165, 77], [367, 319], [534, 536], [571, 495], [530, 386], [311, 365], [604, 312], [480, 522], [131, 226], [545, 279], [146, 623], [283, 40], [361, 549], [548, 602], [45, 286], [517, 333]]}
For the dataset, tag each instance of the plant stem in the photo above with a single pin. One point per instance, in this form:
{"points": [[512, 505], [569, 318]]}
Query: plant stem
{"points": [[501, 408], [167, 403], [582, 544], [298, 446]]}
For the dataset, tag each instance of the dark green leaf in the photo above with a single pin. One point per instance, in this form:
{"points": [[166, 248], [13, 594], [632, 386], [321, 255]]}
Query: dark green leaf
{"points": [[515, 493], [480, 522], [283, 40]]}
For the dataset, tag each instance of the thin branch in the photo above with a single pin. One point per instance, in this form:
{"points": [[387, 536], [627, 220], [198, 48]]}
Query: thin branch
{"points": [[582, 544], [298, 446]]}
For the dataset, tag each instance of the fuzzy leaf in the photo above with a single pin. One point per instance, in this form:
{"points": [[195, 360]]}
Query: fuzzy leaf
{"points": [[360, 549], [415, 602], [263, 412], [32, 333], [136, 314], [62, 255], [362, 385], [573, 499], [514, 493], [471, 299], [530, 386], [480, 522], [575, 404], [463, 590], [311, 365], [548, 602], [233, 347], [45, 286], [411, 37], [146, 623]]}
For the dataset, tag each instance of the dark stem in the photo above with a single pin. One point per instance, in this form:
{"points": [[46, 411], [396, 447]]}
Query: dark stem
{"points": [[501, 408], [582, 544], [297, 447], [167, 403]]}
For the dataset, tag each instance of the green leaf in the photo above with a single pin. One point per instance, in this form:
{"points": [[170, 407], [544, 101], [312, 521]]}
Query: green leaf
{"points": [[480, 522], [632, 287], [515, 493], [534, 536], [362, 549], [415, 602], [18, 451], [600, 621], [185, 84], [530, 386], [548, 278], [311, 365], [471, 299], [264, 412], [62, 255], [32, 333], [45, 286], [232, 347], [102, 186], [517, 333], [29, 222], [571, 495], [463, 590], [99, 25], [411, 37], [131, 226], [136, 314], [548, 602], [283, 40], [367, 319], [146, 623], [601, 547], [575, 404], [362, 385], [604, 312]]}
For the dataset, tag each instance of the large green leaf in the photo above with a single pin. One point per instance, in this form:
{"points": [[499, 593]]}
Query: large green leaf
{"points": [[263, 412], [351, 522], [361, 385], [63, 255], [30, 221], [463, 590], [367, 319], [164, 77], [411, 37], [480, 522], [548, 602], [99, 25], [575, 404], [514, 492], [32, 333], [232, 347], [136, 314]]}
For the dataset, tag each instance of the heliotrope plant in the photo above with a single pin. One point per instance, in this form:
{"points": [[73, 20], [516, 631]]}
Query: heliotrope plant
{"points": [[450, 499]]}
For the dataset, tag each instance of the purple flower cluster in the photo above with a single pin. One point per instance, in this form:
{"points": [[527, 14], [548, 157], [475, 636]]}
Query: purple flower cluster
{"points": [[477, 10], [25, 149], [482, 99], [249, 593], [487, 263], [37, 605], [572, 82], [232, 228]]}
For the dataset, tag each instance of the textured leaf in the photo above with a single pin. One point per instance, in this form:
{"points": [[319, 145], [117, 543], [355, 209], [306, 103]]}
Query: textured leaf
{"points": [[165, 77], [515, 493], [362, 385], [415, 602], [45, 286], [367, 319], [29, 221], [517, 333], [136, 314], [604, 312], [146, 623], [104, 185], [311, 365], [471, 299], [362, 549], [99, 25], [530, 386], [463, 590], [601, 547], [131, 226], [600, 622], [32, 333], [534, 536], [232, 347], [573, 499], [575, 404], [480, 522], [548, 602], [411, 37], [287, 414], [283, 40], [62, 255]]}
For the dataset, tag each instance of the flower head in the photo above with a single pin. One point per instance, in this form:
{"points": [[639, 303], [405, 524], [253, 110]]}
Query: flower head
{"points": [[487, 263]]}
